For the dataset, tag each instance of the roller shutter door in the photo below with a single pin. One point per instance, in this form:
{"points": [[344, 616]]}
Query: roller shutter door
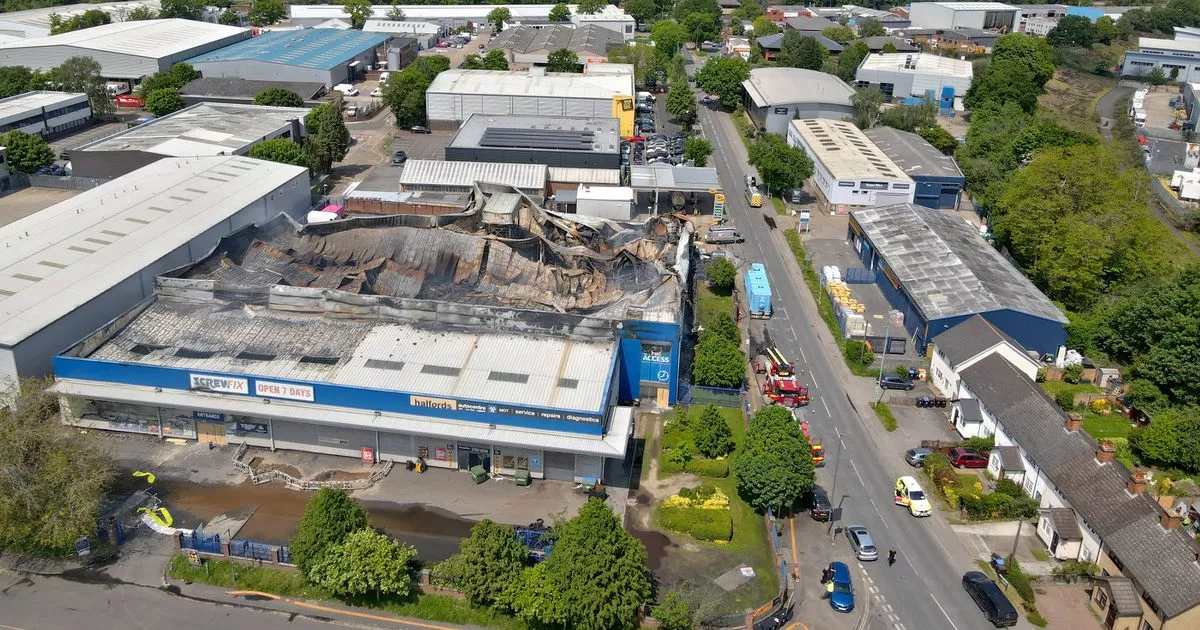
{"points": [[395, 446], [471, 104], [887, 199], [559, 466], [495, 105]]}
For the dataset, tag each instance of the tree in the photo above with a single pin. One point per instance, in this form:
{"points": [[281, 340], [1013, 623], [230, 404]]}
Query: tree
{"points": [[1032, 53], [328, 140], [182, 73], [870, 27], [723, 325], [87, 19], [139, 14], [329, 518], [26, 152], [681, 104], [721, 275], [1145, 395], [697, 150], [840, 34], [358, 10], [591, 7], [750, 10], [495, 60], [229, 17], [563, 60], [738, 29], [889, 48], [941, 139], [560, 13], [764, 26], [429, 67], [1072, 30], [668, 37], [850, 58], [488, 564], [395, 13], [164, 101], [14, 80], [471, 62], [596, 577], [711, 433], [866, 103], [719, 363], [54, 478], [684, 8], [1156, 76], [909, 117], [723, 76], [184, 9], [642, 10], [278, 97], [365, 562], [781, 166], [775, 467], [280, 150], [800, 51], [266, 12], [497, 17], [673, 613], [405, 95], [82, 74], [701, 26], [1106, 30], [1002, 82]]}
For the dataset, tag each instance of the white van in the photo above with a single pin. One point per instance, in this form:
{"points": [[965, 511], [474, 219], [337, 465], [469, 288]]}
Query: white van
{"points": [[646, 96], [347, 89], [1139, 117]]}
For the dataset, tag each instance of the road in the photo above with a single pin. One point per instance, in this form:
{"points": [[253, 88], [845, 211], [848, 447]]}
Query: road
{"points": [[923, 590]]}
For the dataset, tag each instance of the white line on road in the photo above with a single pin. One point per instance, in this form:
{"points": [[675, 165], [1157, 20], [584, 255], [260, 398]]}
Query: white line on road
{"points": [[860, 481], [939, 605], [883, 520], [802, 356], [910, 565], [796, 339], [826, 406]]}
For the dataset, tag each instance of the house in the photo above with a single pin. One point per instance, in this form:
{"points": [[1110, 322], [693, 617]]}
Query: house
{"points": [[876, 44], [771, 45], [738, 47], [966, 344], [808, 25]]}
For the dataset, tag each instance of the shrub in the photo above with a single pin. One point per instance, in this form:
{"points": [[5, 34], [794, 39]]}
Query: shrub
{"points": [[902, 371], [1073, 373], [1009, 487], [858, 352], [1036, 619], [1075, 567], [1019, 580], [1040, 377], [979, 444], [939, 471], [711, 434], [721, 274], [951, 496], [1065, 399], [699, 523], [714, 468], [1101, 406]]}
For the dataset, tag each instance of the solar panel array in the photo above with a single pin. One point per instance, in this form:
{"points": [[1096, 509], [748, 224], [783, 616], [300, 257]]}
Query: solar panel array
{"points": [[549, 139]]}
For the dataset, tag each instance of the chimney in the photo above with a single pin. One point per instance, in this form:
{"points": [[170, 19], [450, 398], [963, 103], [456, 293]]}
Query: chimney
{"points": [[1169, 520], [1074, 422], [297, 132], [1106, 453], [1137, 482]]}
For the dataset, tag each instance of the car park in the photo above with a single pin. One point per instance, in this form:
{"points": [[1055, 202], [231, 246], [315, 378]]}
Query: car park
{"points": [[861, 543], [893, 381], [909, 494], [990, 599], [420, 129], [819, 507], [916, 456], [842, 597], [967, 458], [399, 157]]}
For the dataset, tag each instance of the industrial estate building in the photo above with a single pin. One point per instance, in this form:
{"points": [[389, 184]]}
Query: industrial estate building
{"points": [[243, 91], [1179, 59], [311, 15], [849, 170], [317, 55], [33, 23], [610, 18], [200, 130], [424, 33], [923, 75], [461, 177], [529, 45], [553, 141], [937, 270], [776, 96], [456, 94], [939, 181], [124, 50], [86, 260], [950, 15], [44, 113]]}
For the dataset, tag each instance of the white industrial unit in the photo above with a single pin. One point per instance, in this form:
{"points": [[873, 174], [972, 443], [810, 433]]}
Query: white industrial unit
{"points": [[849, 169], [1178, 58], [44, 113], [309, 15], [609, 202], [898, 75], [426, 33], [611, 18], [457, 94], [950, 15]]}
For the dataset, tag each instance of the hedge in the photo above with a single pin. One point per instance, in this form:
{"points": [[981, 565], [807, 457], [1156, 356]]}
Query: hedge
{"points": [[1019, 580], [715, 468], [701, 524]]}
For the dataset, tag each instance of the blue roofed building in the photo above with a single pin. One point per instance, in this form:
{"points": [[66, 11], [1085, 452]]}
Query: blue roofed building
{"points": [[938, 179], [316, 55]]}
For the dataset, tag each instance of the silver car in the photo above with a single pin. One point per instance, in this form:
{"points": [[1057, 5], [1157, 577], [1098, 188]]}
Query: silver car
{"points": [[861, 543], [916, 456]]}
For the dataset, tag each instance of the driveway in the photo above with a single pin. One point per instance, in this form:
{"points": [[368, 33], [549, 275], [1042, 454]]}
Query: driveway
{"points": [[1106, 108]]}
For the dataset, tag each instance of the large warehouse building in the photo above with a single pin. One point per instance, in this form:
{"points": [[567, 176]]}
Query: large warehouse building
{"points": [[437, 176], [86, 260], [457, 94], [849, 170], [553, 141], [124, 50], [37, 22], [776, 96], [900, 75], [951, 15], [1178, 58], [44, 113], [935, 269], [455, 349], [199, 130], [939, 181], [315, 55], [424, 33], [311, 15], [529, 45]]}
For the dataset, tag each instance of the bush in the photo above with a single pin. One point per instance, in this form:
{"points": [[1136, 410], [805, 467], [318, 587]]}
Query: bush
{"points": [[1101, 406], [1073, 373], [699, 523], [1009, 487], [1075, 567], [714, 468], [979, 444], [939, 471], [1036, 619], [1065, 399], [1040, 377], [858, 352], [902, 371], [1019, 580], [711, 434], [721, 274]]}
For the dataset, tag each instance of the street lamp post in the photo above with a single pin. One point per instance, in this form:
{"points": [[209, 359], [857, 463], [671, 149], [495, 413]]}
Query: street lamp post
{"points": [[887, 332], [837, 464]]}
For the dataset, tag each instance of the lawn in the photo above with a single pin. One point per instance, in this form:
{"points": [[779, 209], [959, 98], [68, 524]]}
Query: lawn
{"points": [[1111, 426], [967, 481], [1054, 387], [708, 304], [1070, 99]]}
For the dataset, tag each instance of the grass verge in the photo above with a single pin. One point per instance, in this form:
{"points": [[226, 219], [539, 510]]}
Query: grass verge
{"points": [[709, 304], [287, 583], [780, 207], [886, 418], [1040, 555], [1054, 387]]}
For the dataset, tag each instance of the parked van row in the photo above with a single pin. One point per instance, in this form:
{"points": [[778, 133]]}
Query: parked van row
{"points": [[1137, 108]]}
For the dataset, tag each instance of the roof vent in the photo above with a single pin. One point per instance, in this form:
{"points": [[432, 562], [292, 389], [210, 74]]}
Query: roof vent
{"points": [[320, 360], [508, 377], [440, 370], [188, 353], [254, 356]]}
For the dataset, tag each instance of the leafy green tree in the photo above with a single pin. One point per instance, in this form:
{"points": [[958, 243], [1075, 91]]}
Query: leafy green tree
{"points": [[1032, 53], [721, 275], [1145, 395], [591, 7], [495, 60], [1072, 30], [395, 13], [858, 353], [723, 76], [1170, 439], [14, 80], [697, 150], [941, 139], [358, 10], [673, 613], [867, 104], [849, 59], [738, 29], [775, 467], [278, 97], [563, 60], [711, 433], [405, 95], [139, 14], [87, 19], [229, 17], [182, 73], [329, 518], [488, 564], [1003, 82], [763, 26], [1106, 30], [781, 166], [184, 9], [164, 101], [681, 104], [684, 8], [497, 17], [668, 37], [889, 48], [909, 117], [266, 12], [719, 363], [365, 562], [430, 66], [723, 325], [840, 34], [82, 74], [1156, 76], [280, 150], [801, 51], [26, 152], [750, 10], [701, 26], [328, 140], [596, 577], [870, 27], [560, 13], [472, 62], [642, 10]]}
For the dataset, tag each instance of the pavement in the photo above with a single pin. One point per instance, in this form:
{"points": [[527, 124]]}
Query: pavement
{"points": [[923, 589], [1106, 108]]}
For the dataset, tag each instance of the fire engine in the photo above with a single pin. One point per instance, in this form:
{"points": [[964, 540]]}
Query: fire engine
{"points": [[784, 391], [818, 449], [776, 364]]}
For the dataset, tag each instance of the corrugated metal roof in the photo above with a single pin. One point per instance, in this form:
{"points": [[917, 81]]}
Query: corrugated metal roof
{"points": [[844, 151], [913, 153], [440, 173], [202, 129], [579, 175], [551, 84], [60, 258], [22, 104], [778, 86], [39, 19], [914, 63], [153, 39], [320, 48], [416, 12], [666, 177]]}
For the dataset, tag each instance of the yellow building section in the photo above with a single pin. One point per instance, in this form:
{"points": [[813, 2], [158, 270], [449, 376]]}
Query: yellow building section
{"points": [[622, 110]]}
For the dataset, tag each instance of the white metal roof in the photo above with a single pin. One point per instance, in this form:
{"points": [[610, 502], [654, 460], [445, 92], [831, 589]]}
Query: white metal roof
{"points": [[60, 258], [776, 86], [583, 175], [551, 84], [605, 193], [22, 104], [975, 6], [202, 129], [845, 151], [390, 26], [38, 20], [914, 63], [425, 11], [1181, 45], [152, 39], [442, 173]]}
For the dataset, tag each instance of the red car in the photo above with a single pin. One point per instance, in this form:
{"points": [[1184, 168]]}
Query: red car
{"points": [[128, 100], [966, 458]]}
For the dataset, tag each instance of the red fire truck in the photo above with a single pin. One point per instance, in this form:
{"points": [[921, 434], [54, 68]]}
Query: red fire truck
{"points": [[784, 391]]}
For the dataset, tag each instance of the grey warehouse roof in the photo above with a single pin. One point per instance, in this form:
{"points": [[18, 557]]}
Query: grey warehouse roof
{"points": [[664, 177], [588, 38], [945, 266], [814, 24], [768, 87], [439, 173], [545, 133], [232, 87], [913, 153], [149, 38], [202, 129]]}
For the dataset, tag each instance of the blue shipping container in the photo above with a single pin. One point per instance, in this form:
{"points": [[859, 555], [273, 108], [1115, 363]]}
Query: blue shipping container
{"points": [[758, 291]]}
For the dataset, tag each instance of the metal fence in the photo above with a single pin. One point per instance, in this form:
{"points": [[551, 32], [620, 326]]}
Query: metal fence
{"points": [[1183, 215], [199, 541], [252, 550], [718, 396], [285, 555], [70, 182]]}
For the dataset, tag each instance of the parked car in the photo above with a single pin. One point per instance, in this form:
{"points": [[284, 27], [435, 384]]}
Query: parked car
{"points": [[861, 543], [420, 129], [64, 155], [967, 458], [893, 381], [916, 456], [842, 598], [52, 169], [990, 599], [399, 157], [819, 507], [383, 77]]}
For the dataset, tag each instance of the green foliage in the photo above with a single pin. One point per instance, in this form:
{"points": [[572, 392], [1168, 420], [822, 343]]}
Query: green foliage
{"points": [[866, 103], [1019, 580], [405, 95], [1065, 399], [719, 363], [487, 564], [1004, 82], [941, 139], [495, 60], [721, 275], [681, 104], [328, 140], [723, 76], [1009, 487], [697, 149], [979, 444], [164, 101], [87, 19], [781, 165], [596, 578], [885, 415], [175, 78], [278, 97], [54, 478], [909, 118], [591, 7], [184, 9], [870, 27], [1145, 395], [1073, 373], [229, 17], [497, 17], [563, 60], [750, 10], [764, 26], [840, 34], [138, 14], [1033, 53], [668, 37], [684, 8], [849, 59], [26, 152], [775, 467], [365, 562], [701, 26], [699, 523], [1170, 439], [642, 10], [711, 434], [395, 13], [358, 10], [1106, 30], [673, 613], [723, 326], [858, 352], [78, 74], [889, 48], [938, 469], [1156, 76], [330, 516], [1075, 567], [14, 80], [560, 13], [1072, 30], [712, 468], [268, 12], [280, 150], [801, 51]]}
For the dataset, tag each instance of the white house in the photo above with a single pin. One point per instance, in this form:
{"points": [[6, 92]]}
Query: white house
{"points": [[964, 345]]}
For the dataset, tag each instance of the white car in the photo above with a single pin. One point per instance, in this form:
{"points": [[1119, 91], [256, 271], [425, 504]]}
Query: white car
{"points": [[383, 76], [347, 89], [377, 92]]}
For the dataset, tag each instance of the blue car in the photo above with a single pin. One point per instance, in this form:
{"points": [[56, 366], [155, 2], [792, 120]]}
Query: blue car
{"points": [[842, 599]]}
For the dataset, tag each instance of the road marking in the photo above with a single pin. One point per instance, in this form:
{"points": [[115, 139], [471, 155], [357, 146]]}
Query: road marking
{"points": [[874, 589], [796, 339], [826, 406], [802, 355], [884, 521], [939, 605], [860, 481], [910, 565]]}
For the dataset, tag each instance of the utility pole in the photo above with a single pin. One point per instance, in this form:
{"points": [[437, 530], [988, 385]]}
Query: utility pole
{"points": [[887, 331], [1017, 538], [837, 464]]}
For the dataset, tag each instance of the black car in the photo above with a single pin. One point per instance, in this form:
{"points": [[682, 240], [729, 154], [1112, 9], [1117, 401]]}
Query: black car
{"points": [[399, 157], [990, 599], [819, 507], [892, 381], [52, 169], [420, 129], [65, 155]]}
